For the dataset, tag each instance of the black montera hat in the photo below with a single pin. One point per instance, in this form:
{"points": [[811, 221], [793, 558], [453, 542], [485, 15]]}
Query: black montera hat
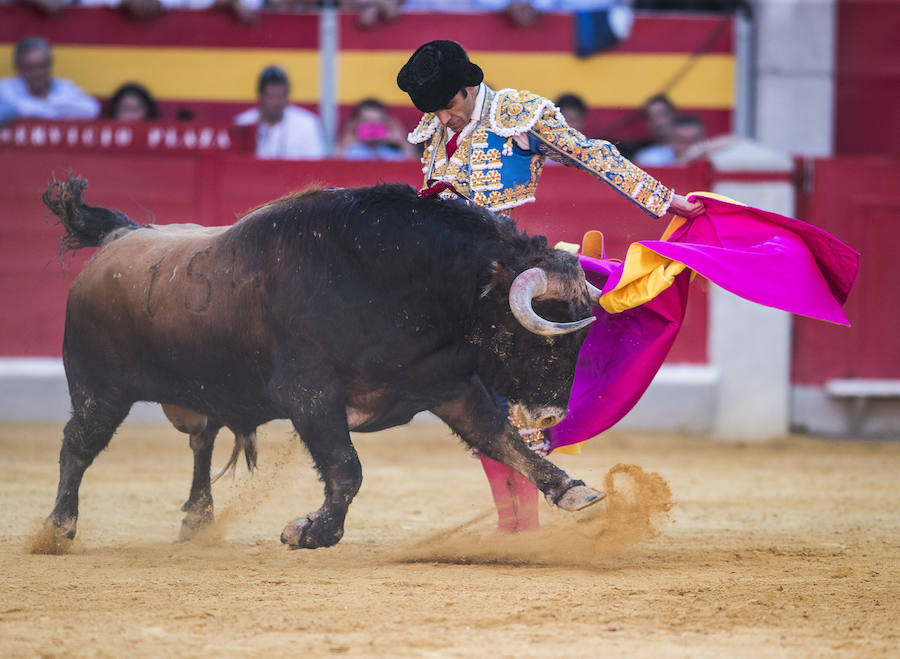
{"points": [[436, 72]]}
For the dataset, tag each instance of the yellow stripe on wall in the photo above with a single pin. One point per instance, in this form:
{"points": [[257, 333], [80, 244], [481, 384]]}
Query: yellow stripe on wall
{"points": [[604, 81], [200, 74], [229, 74]]}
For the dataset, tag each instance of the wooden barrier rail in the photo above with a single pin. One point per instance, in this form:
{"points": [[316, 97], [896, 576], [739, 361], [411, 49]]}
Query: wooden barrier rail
{"points": [[138, 137]]}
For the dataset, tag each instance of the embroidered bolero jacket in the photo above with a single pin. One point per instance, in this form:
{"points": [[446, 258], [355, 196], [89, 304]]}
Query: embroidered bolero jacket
{"points": [[491, 169]]}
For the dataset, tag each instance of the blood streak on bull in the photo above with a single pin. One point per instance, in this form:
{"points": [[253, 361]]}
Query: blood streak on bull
{"points": [[337, 309]]}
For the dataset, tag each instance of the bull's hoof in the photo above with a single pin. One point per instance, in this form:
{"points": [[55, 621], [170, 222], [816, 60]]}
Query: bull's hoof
{"points": [[310, 532], [193, 523], [579, 497], [65, 529]]}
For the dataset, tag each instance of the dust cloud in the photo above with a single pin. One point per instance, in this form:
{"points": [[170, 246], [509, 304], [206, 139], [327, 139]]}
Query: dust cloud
{"points": [[636, 507], [248, 493], [246, 496], [46, 539]]}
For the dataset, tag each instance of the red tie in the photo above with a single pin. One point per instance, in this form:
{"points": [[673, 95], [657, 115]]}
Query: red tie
{"points": [[451, 145]]}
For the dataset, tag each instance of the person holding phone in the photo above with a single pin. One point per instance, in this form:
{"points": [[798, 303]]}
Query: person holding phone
{"points": [[373, 134]]}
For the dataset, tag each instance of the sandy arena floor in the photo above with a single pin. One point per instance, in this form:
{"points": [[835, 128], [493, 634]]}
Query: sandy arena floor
{"points": [[788, 549]]}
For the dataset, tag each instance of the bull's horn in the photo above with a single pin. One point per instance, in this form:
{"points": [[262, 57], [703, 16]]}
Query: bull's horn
{"points": [[594, 292], [531, 284]]}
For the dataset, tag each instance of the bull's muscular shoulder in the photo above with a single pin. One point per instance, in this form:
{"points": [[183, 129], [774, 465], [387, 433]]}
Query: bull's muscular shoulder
{"points": [[425, 129], [514, 112]]}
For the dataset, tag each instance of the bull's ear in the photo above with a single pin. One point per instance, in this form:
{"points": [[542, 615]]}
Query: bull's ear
{"points": [[500, 279]]}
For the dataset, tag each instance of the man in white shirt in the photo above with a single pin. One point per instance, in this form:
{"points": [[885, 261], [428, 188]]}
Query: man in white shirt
{"points": [[282, 131], [660, 116], [36, 93]]}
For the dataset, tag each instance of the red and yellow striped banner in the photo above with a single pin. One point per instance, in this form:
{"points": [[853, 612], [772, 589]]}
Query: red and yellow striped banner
{"points": [[209, 62]]}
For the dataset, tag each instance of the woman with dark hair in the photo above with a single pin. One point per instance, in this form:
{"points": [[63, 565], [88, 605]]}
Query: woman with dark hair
{"points": [[132, 102]]}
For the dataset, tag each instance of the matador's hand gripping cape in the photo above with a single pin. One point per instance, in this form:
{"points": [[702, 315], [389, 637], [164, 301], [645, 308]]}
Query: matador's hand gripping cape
{"points": [[763, 257]]}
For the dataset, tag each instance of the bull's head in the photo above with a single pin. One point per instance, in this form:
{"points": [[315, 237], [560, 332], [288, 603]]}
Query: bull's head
{"points": [[535, 349]]}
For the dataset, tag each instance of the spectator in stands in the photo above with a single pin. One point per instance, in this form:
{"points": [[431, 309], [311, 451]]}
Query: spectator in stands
{"points": [[46, 6], [297, 5], [7, 112], [132, 102], [608, 21], [373, 134], [600, 24], [36, 93], [693, 5], [685, 136], [140, 9], [690, 142], [688, 132], [659, 113], [282, 130], [371, 13], [574, 110], [244, 10]]}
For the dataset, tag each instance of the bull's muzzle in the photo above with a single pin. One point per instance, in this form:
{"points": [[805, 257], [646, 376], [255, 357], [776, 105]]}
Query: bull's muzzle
{"points": [[535, 419]]}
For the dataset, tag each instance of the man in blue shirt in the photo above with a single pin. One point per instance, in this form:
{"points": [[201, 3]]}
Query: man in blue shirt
{"points": [[36, 93]]}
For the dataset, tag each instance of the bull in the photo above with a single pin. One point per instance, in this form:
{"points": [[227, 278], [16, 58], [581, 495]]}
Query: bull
{"points": [[339, 309]]}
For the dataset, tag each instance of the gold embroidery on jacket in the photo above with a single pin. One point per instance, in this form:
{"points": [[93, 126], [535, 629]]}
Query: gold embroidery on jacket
{"points": [[475, 169]]}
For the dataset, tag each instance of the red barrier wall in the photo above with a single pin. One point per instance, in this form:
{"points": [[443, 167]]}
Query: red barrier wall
{"points": [[857, 200], [215, 189], [867, 78]]}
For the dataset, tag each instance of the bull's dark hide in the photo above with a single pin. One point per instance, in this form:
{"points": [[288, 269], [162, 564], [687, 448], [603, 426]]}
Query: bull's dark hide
{"points": [[384, 278], [337, 309]]}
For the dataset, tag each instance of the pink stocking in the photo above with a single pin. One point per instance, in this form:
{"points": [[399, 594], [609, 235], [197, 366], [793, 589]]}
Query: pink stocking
{"points": [[514, 496], [526, 495]]}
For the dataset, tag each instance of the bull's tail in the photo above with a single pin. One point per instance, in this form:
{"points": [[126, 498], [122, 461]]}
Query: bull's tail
{"points": [[86, 226], [247, 444]]}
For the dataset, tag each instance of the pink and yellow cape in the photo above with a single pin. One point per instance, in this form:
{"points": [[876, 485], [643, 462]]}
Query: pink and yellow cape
{"points": [[763, 257]]}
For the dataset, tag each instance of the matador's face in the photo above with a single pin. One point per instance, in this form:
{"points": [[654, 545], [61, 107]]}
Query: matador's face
{"points": [[458, 112]]}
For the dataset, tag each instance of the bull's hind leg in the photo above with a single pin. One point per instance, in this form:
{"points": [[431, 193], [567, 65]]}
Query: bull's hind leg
{"points": [[87, 433], [474, 416], [322, 426], [199, 506]]}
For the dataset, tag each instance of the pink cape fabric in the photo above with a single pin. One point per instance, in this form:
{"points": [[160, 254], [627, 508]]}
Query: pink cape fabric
{"points": [[763, 257]]}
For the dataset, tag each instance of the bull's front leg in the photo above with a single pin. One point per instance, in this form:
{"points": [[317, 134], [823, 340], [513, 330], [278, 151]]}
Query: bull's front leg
{"points": [[474, 416], [320, 418]]}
